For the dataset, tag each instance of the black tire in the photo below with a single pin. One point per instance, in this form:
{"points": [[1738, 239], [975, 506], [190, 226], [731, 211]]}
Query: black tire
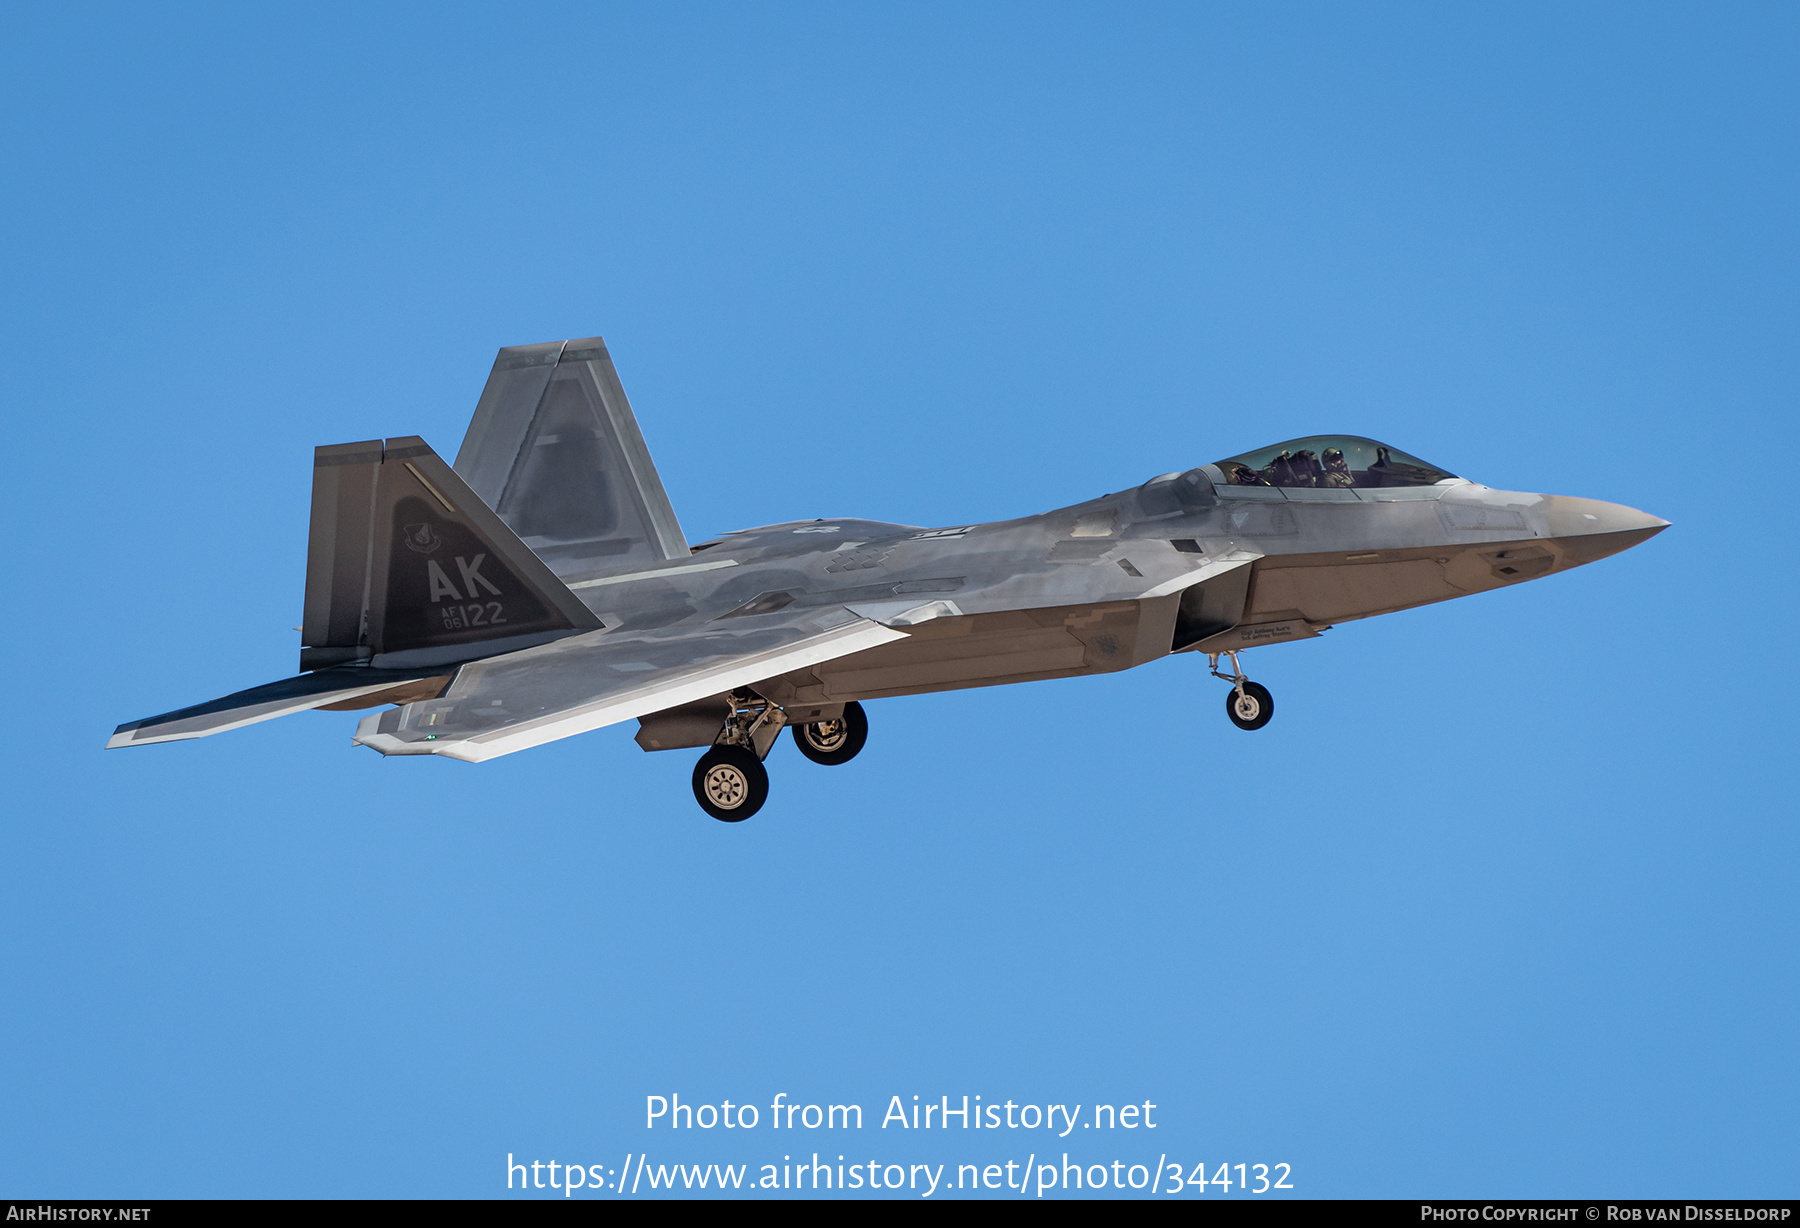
{"points": [[730, 783], [834, 742], [1255, 709]]}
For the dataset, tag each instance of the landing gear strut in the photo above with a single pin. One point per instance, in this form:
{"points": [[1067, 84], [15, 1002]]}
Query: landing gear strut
{"points": [[1248, 704], [730, 782]]}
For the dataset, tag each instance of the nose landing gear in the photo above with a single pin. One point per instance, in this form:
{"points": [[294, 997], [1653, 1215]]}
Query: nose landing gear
{"points": [[1248, 704]]}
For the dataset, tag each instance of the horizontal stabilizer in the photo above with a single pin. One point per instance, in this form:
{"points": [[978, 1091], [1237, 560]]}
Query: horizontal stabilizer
{"points": [[329, 687]]}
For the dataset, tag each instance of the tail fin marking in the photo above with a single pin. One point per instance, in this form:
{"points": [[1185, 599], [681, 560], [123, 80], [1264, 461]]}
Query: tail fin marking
{"points": [[405, 559]]}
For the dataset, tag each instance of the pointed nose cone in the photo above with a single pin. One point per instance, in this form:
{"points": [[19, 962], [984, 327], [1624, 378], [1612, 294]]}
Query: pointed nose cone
{"points": [[1588, 529]]}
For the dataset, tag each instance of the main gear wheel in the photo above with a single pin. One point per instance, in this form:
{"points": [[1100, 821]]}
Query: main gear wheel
{"points": [[730, 783], [834, 742]]}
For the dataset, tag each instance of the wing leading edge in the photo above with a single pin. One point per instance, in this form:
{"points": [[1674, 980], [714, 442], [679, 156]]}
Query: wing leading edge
{"points": [[524, 699]]}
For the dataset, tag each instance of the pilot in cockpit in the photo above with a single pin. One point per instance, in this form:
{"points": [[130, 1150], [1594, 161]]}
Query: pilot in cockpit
{"points": [[1294, 464], [1337, 470], [1295, 468]]}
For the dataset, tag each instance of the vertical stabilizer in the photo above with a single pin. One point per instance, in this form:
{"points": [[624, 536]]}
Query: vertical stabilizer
{"points": [[405, 567], [555, 450]]}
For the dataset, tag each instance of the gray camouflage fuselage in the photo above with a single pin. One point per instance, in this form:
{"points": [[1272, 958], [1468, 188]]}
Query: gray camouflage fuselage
{"points": [[542, 586], [1075, 591]]}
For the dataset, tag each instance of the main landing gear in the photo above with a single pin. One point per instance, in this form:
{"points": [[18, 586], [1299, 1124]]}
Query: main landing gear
{"points": [[730, 782], [834, 742], [1248, 704]]}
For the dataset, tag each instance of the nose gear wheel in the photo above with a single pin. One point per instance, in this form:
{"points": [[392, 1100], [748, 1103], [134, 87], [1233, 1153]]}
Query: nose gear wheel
{"points": [[1251, 707], [1248, 704]]}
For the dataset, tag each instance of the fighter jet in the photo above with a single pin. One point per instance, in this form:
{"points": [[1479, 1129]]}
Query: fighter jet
{"points": [[541, 587]]}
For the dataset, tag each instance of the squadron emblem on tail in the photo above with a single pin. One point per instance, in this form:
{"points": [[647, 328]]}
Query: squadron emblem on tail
{"points": [[422, 538]]}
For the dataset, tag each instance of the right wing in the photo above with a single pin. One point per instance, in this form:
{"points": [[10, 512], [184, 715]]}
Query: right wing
{"points": [[524, 699]]}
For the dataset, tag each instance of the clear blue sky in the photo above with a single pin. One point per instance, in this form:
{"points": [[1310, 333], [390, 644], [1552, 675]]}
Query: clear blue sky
{"points": [[1502, 903]]}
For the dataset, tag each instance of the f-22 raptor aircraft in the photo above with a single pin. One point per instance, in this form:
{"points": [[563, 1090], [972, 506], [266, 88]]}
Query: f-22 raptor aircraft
{"points": [[542, 587]]}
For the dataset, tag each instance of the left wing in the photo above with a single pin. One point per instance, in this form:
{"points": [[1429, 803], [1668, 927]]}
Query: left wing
{"points": [[527, 698]]}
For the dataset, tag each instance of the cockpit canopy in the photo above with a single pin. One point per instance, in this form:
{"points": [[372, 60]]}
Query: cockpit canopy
{"points": [[1343, 461]]}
